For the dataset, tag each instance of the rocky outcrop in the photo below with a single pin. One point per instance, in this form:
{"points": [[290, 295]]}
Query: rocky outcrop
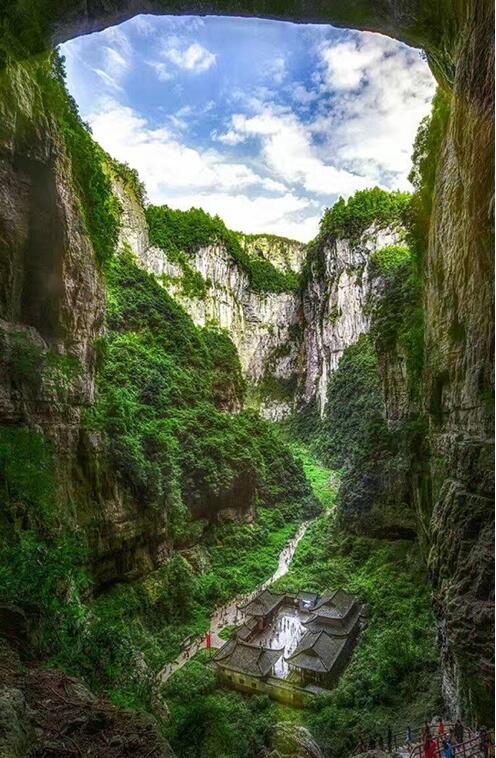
{"points": [[292, 741], [44, 712], [459, 381], [336, 305], [265, 327]]}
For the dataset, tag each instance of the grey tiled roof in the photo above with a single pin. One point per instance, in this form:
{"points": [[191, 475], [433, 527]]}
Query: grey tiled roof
{"points": [[262, 604], [247, 659], [317, 651], [336, 627], [335, 604], [247, 629]]}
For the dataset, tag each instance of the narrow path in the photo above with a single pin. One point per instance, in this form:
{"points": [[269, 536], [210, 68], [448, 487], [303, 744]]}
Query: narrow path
{"points": [[229, 614]]}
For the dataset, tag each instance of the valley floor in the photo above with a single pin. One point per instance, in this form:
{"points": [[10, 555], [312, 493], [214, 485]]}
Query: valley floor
{"points": [[393, 676]]}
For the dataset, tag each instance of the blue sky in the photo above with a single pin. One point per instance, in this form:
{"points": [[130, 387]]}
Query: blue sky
{"points": [[263, 122]]}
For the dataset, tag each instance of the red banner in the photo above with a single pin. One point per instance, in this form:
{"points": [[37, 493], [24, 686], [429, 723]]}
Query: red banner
{"points": [[208, 640]]}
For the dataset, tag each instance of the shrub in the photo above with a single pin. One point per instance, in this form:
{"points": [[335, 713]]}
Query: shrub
{"points": [[182, 233], [99, 207]]}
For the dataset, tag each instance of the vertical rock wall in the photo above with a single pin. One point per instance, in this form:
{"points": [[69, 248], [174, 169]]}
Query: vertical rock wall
{"points": [[458, 491], [336, 305]]}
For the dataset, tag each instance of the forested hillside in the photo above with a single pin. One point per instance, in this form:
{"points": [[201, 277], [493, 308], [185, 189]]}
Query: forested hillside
{"points": [[179, 400]]}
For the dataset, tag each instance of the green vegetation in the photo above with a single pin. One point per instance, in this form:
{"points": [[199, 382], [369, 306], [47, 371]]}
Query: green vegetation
{"points": [[393, 676], [355, 406], [425, 158], [119, 641], [214, 723], [181, 233], [40, 561], [131, 632], [191, 282], [323, 481], [162, 388], [99, 206], [29, 365], [397, 315], [349, 219], [129, 178]]}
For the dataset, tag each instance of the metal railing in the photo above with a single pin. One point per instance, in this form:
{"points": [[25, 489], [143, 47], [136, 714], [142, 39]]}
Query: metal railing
{"points": [[466, 749]]}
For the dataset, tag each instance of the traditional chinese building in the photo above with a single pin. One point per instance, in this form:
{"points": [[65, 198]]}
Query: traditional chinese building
{"points": [[246, 666], [318, 635], [338, 613], [263, 608], [320, 658]]}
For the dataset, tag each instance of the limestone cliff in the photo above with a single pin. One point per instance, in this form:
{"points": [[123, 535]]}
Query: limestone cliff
{"points": [[51, 284], [336, 304], [264, 326]]}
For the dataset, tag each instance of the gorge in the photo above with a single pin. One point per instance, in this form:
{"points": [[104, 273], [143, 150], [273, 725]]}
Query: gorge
{"points": [[176, 397]]}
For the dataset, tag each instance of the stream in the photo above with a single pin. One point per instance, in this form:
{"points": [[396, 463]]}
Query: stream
{"points": [[229, 614]]}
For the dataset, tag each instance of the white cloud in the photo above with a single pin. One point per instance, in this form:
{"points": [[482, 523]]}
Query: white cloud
{"points": [[287, 148], [182, 176], [194, 58], [382, 89], [277, 71], [113, 60], [162, 70], [300, 94], [280, 149]]}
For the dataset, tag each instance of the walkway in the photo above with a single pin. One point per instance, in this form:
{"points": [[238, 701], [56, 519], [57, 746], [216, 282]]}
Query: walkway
{"points": [[229, 614]]}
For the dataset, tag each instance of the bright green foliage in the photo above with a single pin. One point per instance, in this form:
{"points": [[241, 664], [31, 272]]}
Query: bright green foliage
{"points": [[389, 259], [130, 179], [372, 206], [265, 277], [324, 481], [425, 158], [355, 406], [162, 388], [180, 233], [214, 723], [393, 675], [39, 564], [99, 206], [397, 314]]}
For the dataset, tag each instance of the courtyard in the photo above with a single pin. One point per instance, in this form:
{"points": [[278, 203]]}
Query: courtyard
{"points": [[291, 647]]}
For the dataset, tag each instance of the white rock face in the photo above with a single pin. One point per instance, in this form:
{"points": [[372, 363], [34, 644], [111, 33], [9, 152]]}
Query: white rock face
{"points": [[335, 307], [286, 337], [261, 325]]}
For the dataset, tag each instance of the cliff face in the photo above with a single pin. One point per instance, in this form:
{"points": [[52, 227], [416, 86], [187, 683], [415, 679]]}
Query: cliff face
{"points": [[52, 312], [289, 343], [336, 305], [459, 384], [264, 326], [52, 295]]}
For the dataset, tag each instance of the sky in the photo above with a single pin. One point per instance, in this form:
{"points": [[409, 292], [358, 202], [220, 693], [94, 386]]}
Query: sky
{"points": [[265, 123]]}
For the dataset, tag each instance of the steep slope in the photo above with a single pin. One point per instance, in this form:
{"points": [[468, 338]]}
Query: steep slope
{"points": [[52, 288], [227, 280]]}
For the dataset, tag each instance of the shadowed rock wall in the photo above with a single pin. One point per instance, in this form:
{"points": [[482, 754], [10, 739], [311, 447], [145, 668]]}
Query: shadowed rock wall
{"points": [[55, 287]]}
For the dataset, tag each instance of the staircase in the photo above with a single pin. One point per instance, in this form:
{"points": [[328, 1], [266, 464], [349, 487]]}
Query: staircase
{"points": [[469, 748]]}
